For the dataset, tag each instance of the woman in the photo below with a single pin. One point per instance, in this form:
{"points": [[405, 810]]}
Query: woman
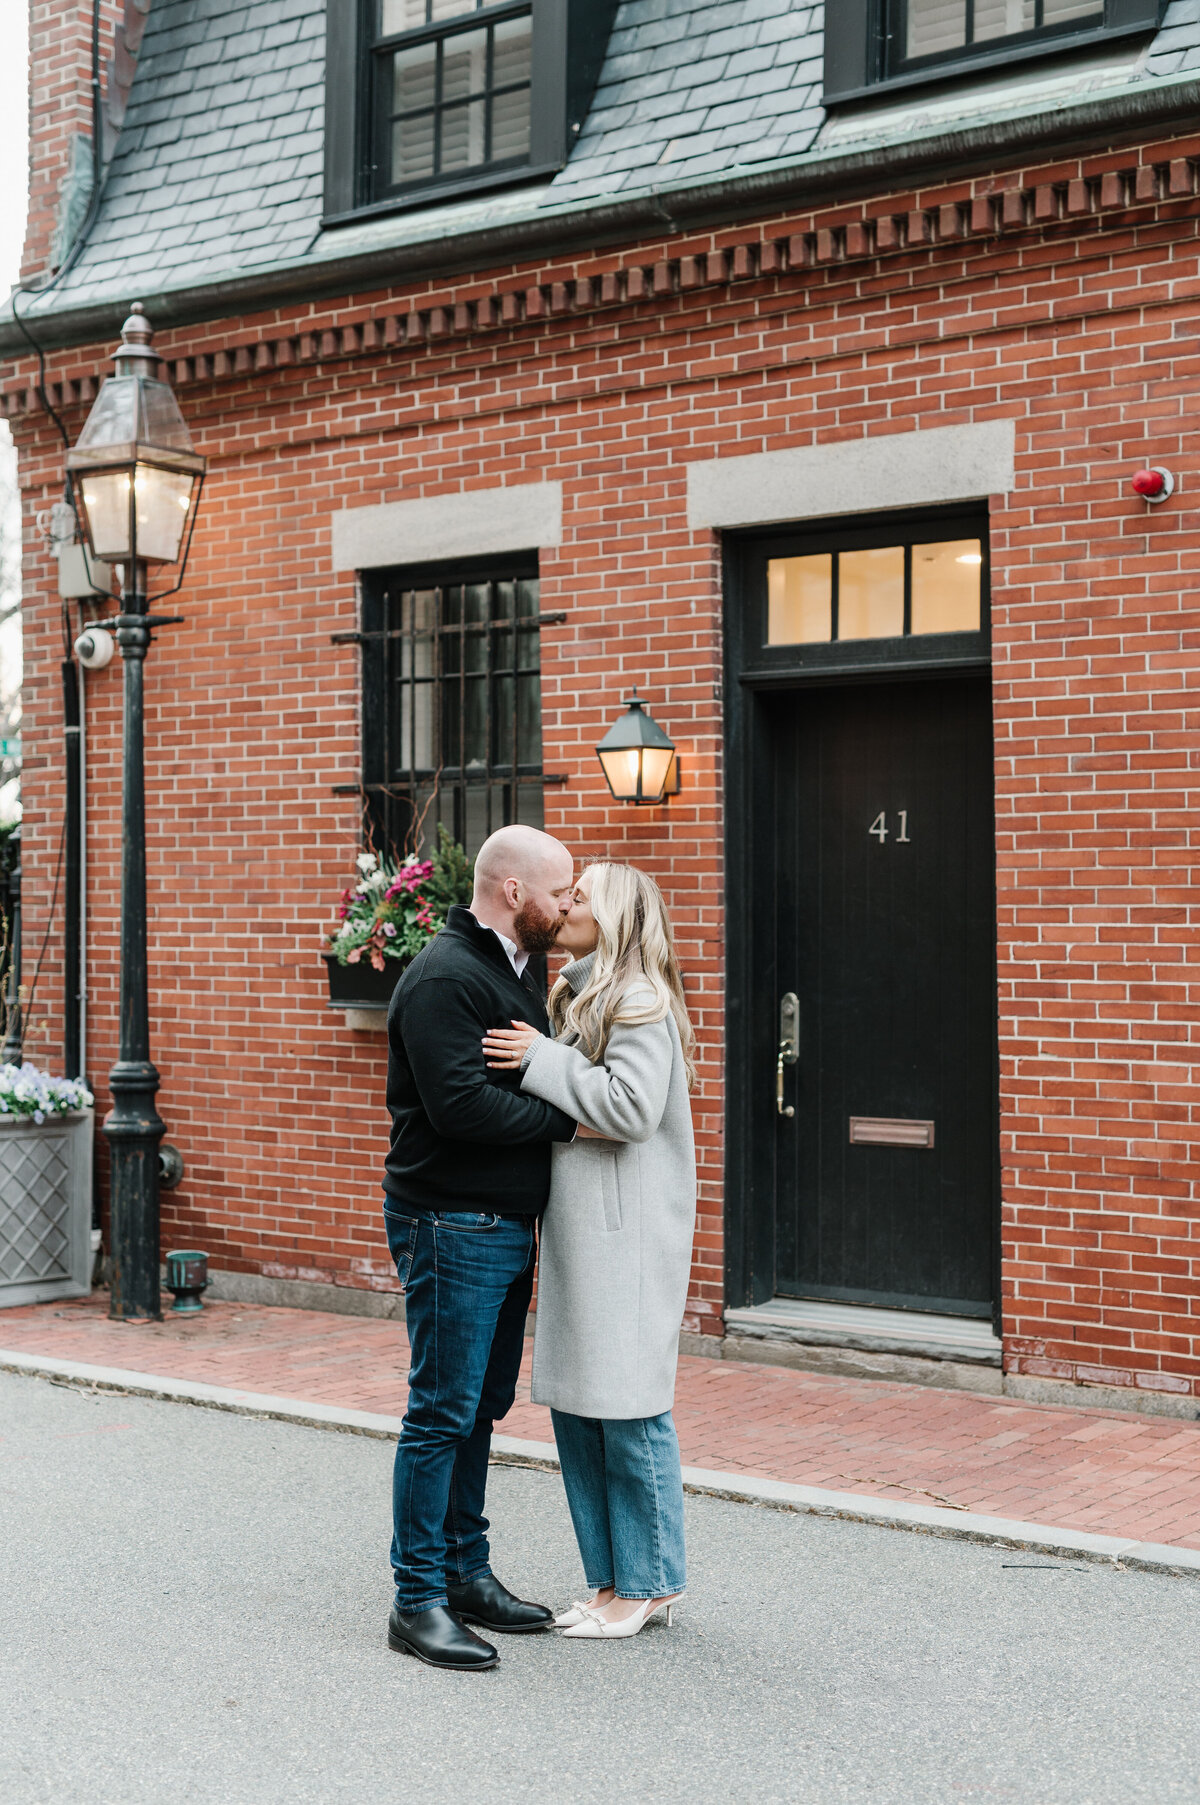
{"points": [[616, 1241]]}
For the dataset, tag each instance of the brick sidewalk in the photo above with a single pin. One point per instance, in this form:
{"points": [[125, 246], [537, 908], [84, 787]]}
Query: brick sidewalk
{"points": [[1099, 1471]]}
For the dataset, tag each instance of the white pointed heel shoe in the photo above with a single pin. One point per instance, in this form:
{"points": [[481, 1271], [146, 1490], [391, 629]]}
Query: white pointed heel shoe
{"points": [[568, 1619], [597, 1628]]}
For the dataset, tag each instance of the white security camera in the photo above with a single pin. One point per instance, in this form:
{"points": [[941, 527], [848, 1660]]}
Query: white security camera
{"points": [[94, 648]]}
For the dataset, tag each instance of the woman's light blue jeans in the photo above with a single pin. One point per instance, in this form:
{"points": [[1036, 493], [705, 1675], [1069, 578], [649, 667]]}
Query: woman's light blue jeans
{"points": [[625, 1491]]}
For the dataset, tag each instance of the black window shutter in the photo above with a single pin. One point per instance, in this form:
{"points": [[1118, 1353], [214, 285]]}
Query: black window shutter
{"points": [[341, 105], [851, 47], [569, 41], [1127, 14]]}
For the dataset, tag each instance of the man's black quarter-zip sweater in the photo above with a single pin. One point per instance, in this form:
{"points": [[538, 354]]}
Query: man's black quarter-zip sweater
{"points": [[464, 1137]]}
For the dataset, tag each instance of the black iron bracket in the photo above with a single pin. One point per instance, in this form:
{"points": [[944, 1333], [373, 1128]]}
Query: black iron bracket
{"points": [[548, 780], [352, 636]]}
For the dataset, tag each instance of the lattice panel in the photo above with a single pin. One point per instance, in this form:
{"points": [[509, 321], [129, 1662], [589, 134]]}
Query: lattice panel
{"points": [[35, 1208]]}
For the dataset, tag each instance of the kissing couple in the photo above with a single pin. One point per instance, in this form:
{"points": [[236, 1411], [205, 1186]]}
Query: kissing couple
{"points": [[514, 1123]]}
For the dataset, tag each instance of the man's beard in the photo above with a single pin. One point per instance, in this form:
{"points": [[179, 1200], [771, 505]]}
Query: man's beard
{"points": [[535, 932]]}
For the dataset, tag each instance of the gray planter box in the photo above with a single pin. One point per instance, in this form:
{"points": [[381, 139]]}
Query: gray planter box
{"points": [[45, 1208]]}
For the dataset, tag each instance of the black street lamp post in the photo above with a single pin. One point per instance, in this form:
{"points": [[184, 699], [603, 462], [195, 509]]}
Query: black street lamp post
{"points": [[10, 1052], [136, 478]]}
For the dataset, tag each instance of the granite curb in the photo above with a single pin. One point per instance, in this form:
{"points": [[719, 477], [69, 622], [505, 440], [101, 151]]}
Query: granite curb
{"points": [[774, 1494]]}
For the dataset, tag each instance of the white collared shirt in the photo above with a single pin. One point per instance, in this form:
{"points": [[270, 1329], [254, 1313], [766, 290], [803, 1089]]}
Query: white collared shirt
{"points": [[516, 958]]}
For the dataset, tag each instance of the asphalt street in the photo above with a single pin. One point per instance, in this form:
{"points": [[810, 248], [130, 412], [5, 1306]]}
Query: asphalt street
{"points": [[192, 1608]]}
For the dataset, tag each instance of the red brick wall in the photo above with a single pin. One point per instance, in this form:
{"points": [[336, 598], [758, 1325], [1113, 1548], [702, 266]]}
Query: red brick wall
{"points": [[1063, 297], [60, 108]]}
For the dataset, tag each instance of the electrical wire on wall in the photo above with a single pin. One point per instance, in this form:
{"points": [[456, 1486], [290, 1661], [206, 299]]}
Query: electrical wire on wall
{"points": [[71, 842]]}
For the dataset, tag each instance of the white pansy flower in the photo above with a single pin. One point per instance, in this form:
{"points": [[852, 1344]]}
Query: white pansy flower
{"points": [[24, 1091]]}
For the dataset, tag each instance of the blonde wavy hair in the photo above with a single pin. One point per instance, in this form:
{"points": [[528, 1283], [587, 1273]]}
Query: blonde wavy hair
{"points": [[635, 951]]}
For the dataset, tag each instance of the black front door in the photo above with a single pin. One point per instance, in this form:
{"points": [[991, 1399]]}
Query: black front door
{"points": [[884, 923]]}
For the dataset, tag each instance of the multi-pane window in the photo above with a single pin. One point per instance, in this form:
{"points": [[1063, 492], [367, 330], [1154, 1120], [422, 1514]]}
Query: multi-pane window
{"points": [[937, 28], [452, 721], [872, 44], [452, 91], [876, 592]]}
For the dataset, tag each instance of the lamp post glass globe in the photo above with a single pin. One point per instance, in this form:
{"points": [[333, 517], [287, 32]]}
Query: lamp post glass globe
{"points": [[134, 467], [162, 498]]}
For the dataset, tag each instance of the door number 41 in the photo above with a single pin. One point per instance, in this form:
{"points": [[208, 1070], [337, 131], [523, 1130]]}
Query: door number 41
{"points": [[879, 827]]}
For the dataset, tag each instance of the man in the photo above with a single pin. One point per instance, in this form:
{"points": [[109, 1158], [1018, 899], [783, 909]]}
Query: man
{"points": [[467, 1176]]}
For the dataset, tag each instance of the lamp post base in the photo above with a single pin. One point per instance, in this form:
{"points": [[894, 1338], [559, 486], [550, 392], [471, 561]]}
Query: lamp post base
{"points": [[134, 1130]]}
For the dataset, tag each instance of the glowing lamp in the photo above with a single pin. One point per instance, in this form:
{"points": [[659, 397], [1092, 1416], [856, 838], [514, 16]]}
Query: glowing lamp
{"points": [[639, 761]]}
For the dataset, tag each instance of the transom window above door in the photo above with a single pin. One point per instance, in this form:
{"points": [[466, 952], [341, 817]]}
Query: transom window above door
{"points": [[875, 592], [848, 596]]}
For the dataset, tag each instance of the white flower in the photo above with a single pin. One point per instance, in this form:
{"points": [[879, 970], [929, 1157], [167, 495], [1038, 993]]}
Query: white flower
{"points": [[366, 861], [24, 1091]]}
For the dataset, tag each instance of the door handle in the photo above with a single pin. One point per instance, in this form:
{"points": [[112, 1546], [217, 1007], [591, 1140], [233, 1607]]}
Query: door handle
{"points": [[784, 1109], [789, 1046]]}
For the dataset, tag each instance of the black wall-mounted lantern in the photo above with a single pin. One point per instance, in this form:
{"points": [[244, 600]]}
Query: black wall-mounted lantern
{"points": [[137, 478], [639, 761]]}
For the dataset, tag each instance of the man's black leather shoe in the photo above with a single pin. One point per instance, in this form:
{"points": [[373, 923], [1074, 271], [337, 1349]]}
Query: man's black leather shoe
{"points": [[486, 1601], [438, 1638]]}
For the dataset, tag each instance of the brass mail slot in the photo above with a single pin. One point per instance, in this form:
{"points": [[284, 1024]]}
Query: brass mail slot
{"points": [[890, 1131]]}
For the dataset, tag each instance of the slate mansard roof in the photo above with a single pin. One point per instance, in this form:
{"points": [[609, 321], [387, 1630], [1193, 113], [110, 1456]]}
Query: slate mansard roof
{"points": [[217, 175]]}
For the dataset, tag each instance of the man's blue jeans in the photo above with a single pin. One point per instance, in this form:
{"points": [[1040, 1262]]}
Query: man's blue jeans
{"points": [[468, 1280], [625, 1491]]}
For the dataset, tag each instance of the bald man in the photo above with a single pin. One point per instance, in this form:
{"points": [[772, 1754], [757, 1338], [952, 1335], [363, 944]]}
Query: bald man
{"points": [[467, 1176]]}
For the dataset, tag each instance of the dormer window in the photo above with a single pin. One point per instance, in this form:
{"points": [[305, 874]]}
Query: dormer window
{"points": [[931, 28], [452, 91], [874, 44], [428, 99]]}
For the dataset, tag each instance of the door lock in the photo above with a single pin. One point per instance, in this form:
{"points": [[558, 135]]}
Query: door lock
{"points": [[789, 1046]]}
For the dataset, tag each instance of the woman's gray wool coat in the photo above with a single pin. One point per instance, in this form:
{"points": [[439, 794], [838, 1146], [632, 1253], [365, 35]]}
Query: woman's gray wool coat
{"points": [[616, 1240]]}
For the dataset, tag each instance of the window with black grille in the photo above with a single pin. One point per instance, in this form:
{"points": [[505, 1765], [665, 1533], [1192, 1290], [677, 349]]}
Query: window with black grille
{"points": [[428, 99], [452, 706], [452, 91], [880, 43], [938, 28]]}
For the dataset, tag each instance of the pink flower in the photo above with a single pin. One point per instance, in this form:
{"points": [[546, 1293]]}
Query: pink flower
{"points": [[408, 879]]}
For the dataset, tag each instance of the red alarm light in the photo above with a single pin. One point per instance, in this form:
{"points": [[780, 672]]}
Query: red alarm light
{"points": [[1154, 484]]}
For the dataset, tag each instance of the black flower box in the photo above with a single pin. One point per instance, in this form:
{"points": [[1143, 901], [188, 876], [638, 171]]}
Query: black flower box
{"points": [[361, 986]]}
